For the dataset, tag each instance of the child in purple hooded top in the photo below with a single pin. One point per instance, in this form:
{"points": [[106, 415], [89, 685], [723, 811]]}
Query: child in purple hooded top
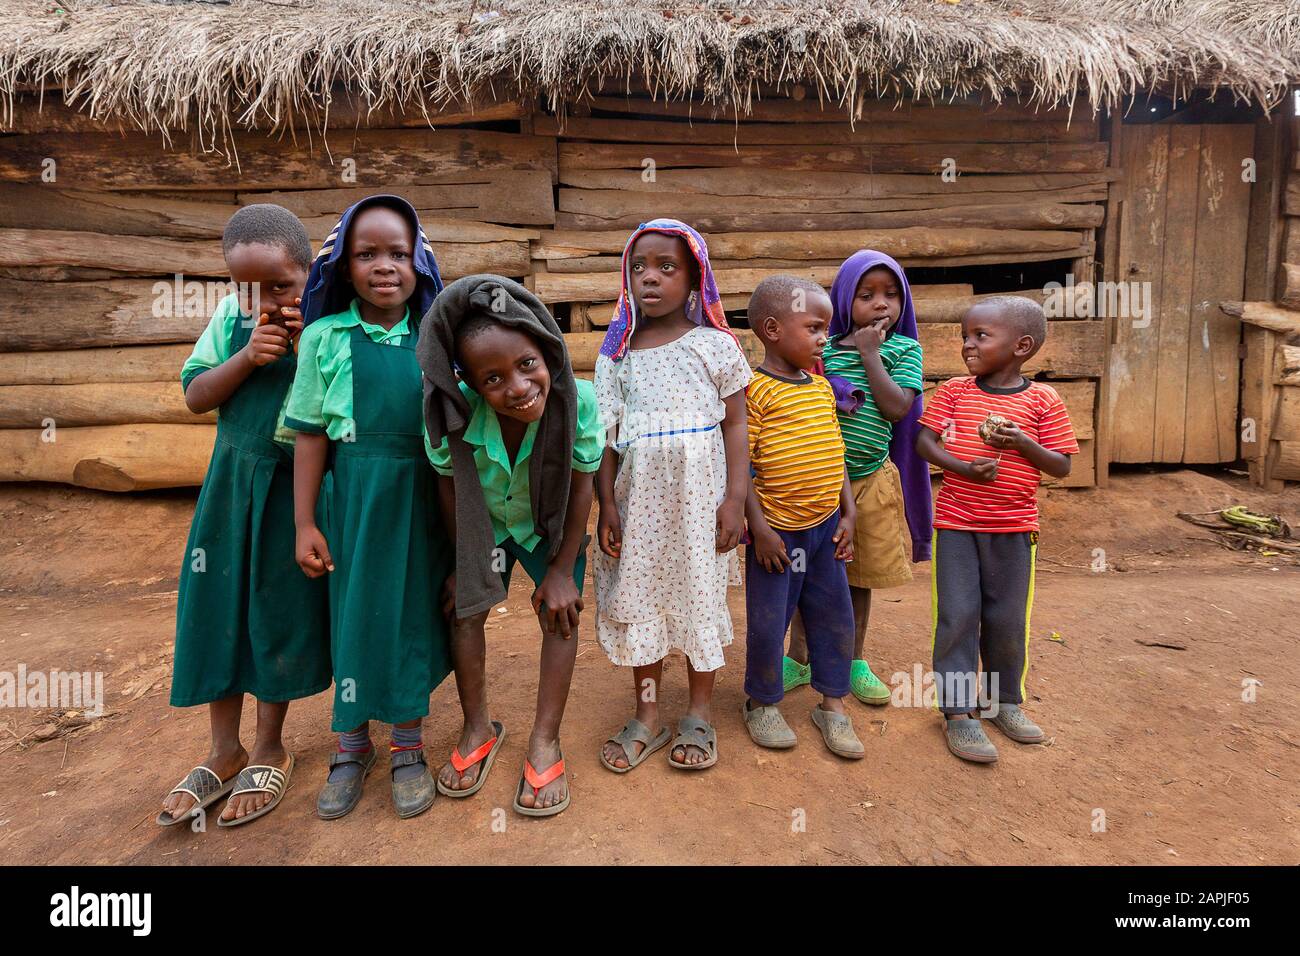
{"points": [[874, 354]]}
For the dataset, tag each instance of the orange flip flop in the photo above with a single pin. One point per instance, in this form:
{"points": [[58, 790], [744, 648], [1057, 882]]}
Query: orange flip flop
{"points": [[537, 780], [486, 752]]}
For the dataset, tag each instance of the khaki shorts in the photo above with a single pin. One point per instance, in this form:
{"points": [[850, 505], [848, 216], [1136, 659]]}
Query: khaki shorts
{"points": [[881, 544]]}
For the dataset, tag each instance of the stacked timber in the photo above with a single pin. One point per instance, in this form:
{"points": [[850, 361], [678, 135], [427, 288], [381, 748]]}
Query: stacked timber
{"points": [[1270, 370], [794, 188], [111, 263]]}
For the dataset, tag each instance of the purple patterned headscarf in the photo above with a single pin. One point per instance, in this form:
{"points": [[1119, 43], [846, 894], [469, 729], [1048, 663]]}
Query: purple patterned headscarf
{"points": [[913, 473], [703, 308]]}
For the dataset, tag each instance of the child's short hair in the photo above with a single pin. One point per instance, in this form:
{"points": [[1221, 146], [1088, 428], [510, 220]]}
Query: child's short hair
{"points": [[478, 323], [1025, 316], [267, 224], [776, 295]]}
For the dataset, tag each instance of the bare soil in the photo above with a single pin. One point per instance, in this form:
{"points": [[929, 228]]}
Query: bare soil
{"points": [[1156, 741]]}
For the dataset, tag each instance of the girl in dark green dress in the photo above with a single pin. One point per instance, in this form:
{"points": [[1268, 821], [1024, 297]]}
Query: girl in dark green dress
{"points": [[247, 621], [376, 532]]}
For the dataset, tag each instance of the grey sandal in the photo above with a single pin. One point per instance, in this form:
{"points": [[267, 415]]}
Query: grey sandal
{"points": [[204, 786], [967, 740], [767, 727], [340, 798], [412, 797], [693, 732], [259, 778], [635, 732], [837, 731], [1013, 722]]}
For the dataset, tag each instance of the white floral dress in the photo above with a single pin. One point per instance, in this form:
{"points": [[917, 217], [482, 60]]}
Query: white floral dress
{"points": [[668, 588]]}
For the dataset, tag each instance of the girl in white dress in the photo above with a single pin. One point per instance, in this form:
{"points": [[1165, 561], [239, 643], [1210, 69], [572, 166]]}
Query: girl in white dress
{"points": [[670, 382]]}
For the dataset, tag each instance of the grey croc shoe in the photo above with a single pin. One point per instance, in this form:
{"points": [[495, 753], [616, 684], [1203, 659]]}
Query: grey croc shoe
{"points": [[1011, 720], [767, 727], [413, 796], [338, 799], [837, 731], [967, 740]]}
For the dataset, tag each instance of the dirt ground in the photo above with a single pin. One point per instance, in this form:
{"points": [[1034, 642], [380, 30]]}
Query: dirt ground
{"points": [[1157, 742]]}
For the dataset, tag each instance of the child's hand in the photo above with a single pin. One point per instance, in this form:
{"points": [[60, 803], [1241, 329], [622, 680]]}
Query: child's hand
{"points": [[730, 524], [312, 553], [843, 538], [983, 470], [557, 603], [609, 531], [769, 550], [1008, 436], [291, 319], [870, 336], [267, 343], [449, 596]]}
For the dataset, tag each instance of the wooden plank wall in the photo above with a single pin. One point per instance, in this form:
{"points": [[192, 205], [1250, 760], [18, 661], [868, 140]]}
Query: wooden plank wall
{"points": [[1183, 233], [94, 223]]}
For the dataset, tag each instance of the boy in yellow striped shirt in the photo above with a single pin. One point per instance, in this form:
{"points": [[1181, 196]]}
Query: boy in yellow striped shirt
{"points": [[801, 515]]}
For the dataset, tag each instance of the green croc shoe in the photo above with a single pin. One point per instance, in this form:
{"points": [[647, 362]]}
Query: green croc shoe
{"points": [[866, 686], [794, 674]]}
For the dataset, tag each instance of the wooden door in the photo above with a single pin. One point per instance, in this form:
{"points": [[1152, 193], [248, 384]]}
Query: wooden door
{"points": [[1183, 215]]}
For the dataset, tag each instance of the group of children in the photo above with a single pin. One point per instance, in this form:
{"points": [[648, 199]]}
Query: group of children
{"points": [[389, 449]]}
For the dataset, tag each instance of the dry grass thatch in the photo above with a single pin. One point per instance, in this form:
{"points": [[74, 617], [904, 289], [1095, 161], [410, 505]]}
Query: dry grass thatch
{"points": [[217, 65]]}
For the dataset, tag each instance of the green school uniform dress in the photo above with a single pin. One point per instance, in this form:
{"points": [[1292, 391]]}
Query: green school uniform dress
{"points": [[248, 621], [360, 385], [505, 484]]}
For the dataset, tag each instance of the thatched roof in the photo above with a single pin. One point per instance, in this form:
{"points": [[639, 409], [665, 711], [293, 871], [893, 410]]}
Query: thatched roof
{"points": [[254, 63]]}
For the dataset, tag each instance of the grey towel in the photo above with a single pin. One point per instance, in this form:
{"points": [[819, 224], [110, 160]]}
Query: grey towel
{"points": [[447, 414]]}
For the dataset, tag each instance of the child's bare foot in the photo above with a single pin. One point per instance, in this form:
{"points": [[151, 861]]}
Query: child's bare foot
{"points": [[833, 705], [542, 754], [224, 765], [246, 803], [689, 754], [614, 753], [471, 738]]}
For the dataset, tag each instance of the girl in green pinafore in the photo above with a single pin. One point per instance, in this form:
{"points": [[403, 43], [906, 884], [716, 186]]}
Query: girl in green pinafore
{"points": [[357, 407], [247, 621]]}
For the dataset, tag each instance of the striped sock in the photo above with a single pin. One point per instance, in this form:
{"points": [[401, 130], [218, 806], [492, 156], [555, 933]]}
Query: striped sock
{"points": [[407, 738], [358, 742]]}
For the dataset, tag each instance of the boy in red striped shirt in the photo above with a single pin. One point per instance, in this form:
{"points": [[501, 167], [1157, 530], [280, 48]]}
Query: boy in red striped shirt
{"points": [[992, 433]]}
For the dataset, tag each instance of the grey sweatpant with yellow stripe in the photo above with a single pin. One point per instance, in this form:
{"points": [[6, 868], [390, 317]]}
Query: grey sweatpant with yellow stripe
{"points": [[982, 592]]}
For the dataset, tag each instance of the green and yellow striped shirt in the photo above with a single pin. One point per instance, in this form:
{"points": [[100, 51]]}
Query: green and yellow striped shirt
{"points": [[866, 431]]}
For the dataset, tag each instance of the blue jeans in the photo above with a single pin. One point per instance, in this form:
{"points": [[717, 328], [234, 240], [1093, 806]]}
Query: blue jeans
{"points": [[816, 583]]}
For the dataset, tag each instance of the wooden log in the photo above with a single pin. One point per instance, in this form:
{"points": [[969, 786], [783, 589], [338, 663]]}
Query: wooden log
{"points": [[1258, 403], [514, 196], [935, 120], [1284, 460], [347, 111], [1086, 163], [1288, 365], [140, 255], [1286, 420], [111, 403], [375, 159], [1072, 350], [908, 243], [1289, 295], [1264, 315], [518, 196], [955, 133], [142, 363], [87, 314], [109, 458]]}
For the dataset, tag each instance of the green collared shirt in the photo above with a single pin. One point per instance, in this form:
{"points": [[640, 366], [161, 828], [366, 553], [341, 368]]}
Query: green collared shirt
{"points": [[213, 349], [505, 488], [321, 400]]}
